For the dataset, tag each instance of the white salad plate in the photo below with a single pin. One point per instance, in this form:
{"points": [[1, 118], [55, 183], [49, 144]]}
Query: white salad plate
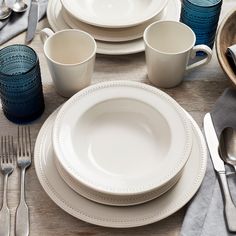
{"points": [[110, 216], [113, 13], [114, 200], [110, 34], [122, 138], [57, 23]]}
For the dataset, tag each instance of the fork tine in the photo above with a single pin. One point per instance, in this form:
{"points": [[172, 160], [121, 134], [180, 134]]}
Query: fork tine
{"points": [[5, 150], [26, 140], [20, 141], [8, 149], [29, 141], [11, 148], [23, 139], [1, 156]]}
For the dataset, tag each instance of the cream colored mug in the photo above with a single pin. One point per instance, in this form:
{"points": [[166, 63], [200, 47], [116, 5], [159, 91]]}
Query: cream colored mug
{"points": [[168, 47], [70, 56]]}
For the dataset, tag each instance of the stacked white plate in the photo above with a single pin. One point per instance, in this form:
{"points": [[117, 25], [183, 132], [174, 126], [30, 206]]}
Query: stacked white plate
{"points": [[117, 144], [121, 143], [117, 26]]}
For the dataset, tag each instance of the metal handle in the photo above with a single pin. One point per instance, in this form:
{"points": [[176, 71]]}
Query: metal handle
{"points": [[5, 221], [22, 212], [230, 209], [5, 212], [22, 220]]}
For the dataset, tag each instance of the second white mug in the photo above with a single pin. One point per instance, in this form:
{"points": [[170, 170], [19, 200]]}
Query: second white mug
{"points": [[70, 56], [168, 48]]}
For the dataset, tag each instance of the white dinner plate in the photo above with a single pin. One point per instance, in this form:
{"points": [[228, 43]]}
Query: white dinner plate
{"points": [[122, 138], [121, 217], [57, 22], [109, 34], [113, 13], [114, 200]]}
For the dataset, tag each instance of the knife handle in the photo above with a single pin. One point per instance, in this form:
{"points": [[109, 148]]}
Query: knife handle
{"points": [[45, 34], [230, 209]]}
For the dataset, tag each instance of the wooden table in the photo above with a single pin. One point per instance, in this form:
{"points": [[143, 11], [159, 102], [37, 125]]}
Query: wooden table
{"points": [[196, 94]]}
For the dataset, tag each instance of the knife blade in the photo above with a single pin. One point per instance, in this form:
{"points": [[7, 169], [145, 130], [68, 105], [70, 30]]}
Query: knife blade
{"points": [[32, 20], [213, 146]]}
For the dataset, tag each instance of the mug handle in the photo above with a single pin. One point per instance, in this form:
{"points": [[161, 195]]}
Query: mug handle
{"points": [[45, 34], [200, 48]]}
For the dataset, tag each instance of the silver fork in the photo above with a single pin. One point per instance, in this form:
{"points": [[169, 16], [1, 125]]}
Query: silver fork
{"points": [[23, 161], [7, 166]]}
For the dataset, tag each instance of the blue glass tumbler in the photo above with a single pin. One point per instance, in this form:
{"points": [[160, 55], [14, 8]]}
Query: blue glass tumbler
{"points": [[21, 90], [202, 17]]}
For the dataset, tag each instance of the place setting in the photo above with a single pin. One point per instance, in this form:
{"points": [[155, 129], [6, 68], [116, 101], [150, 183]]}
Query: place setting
{"points": [[108, 190], [120, 153], [122, 150]]}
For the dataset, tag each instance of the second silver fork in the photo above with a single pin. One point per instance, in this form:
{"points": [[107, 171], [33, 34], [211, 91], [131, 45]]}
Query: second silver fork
{"points": [[23, 161], [7, 167]]}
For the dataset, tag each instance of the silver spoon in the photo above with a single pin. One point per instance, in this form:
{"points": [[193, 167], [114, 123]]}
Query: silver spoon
{"points": [[19, 6], [228, 146], [5, 11]]}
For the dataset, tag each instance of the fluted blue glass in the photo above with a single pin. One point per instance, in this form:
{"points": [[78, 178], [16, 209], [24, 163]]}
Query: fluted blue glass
{"points": [[21, 90], [202, 16]]}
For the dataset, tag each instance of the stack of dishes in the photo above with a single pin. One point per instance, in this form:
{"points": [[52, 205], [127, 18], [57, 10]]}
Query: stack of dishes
{"points": [[117, 26], [120, 154]]}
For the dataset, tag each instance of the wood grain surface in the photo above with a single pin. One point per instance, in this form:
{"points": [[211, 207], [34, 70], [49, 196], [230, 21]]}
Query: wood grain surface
{"points": [[196, 94], [225, 38]]}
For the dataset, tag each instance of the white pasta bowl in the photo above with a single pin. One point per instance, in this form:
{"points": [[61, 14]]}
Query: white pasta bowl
{"points": [[122, 138]]}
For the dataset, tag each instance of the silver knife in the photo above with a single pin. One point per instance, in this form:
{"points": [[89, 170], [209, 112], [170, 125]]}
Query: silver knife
{"points": [[32, 20], [213, 146]]}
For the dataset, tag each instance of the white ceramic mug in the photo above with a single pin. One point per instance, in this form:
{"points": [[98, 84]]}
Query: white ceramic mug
{"points": [[70, 56], [168, 48]]}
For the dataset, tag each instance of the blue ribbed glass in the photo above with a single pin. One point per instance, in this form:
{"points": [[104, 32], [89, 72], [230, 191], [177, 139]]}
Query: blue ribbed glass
{"points": [[20, 84], [202, 17]]}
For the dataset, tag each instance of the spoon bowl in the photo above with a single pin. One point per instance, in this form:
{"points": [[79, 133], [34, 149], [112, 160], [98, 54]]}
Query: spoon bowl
{"points": [[5, 12], [228, 146], [19, 6]]}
